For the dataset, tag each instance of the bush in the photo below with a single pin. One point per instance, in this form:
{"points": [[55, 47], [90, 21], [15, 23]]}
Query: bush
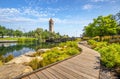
{"points": [[23, 40], [71, 51], [2, 58], [69, 44], [38, 53], [110, 54], [8, 58], [1, 63], [92, 43], [51, 56], [100, 45], [35, 64]]}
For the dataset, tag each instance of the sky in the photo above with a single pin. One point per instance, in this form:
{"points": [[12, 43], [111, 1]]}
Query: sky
{"points": [[70, 16]]}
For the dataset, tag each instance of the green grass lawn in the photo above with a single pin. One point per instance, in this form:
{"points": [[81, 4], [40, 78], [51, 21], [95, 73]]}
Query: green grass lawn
{"points": [[9, 38]]}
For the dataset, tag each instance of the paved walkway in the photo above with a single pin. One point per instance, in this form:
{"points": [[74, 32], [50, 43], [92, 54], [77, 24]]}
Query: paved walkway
{"points": [[83, 66]]}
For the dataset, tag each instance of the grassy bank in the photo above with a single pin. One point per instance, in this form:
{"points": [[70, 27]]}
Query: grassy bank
{"points": [[9, 38], [63, 51], [20, 39], [24, 40]]}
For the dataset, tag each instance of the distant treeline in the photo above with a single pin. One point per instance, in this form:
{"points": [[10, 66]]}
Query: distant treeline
{"points": [[39, 33]]}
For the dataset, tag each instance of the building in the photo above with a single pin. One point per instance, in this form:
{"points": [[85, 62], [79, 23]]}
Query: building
{"points": [[51, 25]]}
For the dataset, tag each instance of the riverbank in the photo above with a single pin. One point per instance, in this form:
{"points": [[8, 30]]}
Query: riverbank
{"points": [[39, 59], [17, 39], [8, 41], [18, 65]]}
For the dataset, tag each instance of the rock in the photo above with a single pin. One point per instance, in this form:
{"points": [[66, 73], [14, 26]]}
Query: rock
{"points": [[22, 59], [39, 58], [17, 67], [13, 70], [27, 69], [30, 54], [42, 50], [59, 48]]}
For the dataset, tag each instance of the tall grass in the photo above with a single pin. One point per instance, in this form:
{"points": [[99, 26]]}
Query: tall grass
{"points": [[24, 40], [4, 59], [8, 38]]}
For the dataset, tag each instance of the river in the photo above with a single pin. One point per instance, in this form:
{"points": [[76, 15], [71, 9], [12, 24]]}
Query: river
{"points": [[18, 49]]}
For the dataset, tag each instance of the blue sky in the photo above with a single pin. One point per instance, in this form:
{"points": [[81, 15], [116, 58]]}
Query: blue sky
{"points": [[70, 16]]}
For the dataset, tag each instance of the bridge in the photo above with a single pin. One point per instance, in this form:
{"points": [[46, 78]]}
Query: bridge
{"points": [[83, 66]]}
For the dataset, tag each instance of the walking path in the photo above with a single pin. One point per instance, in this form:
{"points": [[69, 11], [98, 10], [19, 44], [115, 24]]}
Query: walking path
{"points": [[83, 66]]}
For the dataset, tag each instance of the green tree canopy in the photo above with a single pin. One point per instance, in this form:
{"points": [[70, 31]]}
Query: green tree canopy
{"points": [[117, 18], [2, 31], [101, 26]]}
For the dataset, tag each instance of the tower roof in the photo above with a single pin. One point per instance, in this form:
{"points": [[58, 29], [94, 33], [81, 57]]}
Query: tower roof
{"points": [[51, 20]]}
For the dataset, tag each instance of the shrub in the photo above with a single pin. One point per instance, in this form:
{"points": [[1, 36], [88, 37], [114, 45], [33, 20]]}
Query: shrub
{"points": [[100, 45], [23, 40], [35, 64], [2, 58], [69, 44], [71, 51], [51, 56], [110, 55], [91, 42], [1, 63], [38, 53], [8, 58]]}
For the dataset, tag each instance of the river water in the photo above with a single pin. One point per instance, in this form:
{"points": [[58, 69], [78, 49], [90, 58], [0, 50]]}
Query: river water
{"points": [[18, 49]]}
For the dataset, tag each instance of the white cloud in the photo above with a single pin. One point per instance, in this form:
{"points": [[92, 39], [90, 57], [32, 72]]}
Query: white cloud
{"points": [[71, 22], [8, 12], [39, 2], [87, 6], [98, 0], [22, 15], [25, 11], [33, 12], [112, 1]]}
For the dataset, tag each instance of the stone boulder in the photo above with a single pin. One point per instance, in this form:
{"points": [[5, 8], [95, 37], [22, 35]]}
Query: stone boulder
{"points": [[30, 54], [43, 50], [11, 71], [23, 59]]}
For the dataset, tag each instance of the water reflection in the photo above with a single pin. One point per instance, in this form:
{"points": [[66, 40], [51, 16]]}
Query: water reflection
{"points": [[18, 49], [7, 44]]}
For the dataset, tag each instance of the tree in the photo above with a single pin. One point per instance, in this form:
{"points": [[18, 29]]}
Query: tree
{"points": [[9, 32], [117, 18], [2, 31], [101, 26], [38, 33], [18, 33]]}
